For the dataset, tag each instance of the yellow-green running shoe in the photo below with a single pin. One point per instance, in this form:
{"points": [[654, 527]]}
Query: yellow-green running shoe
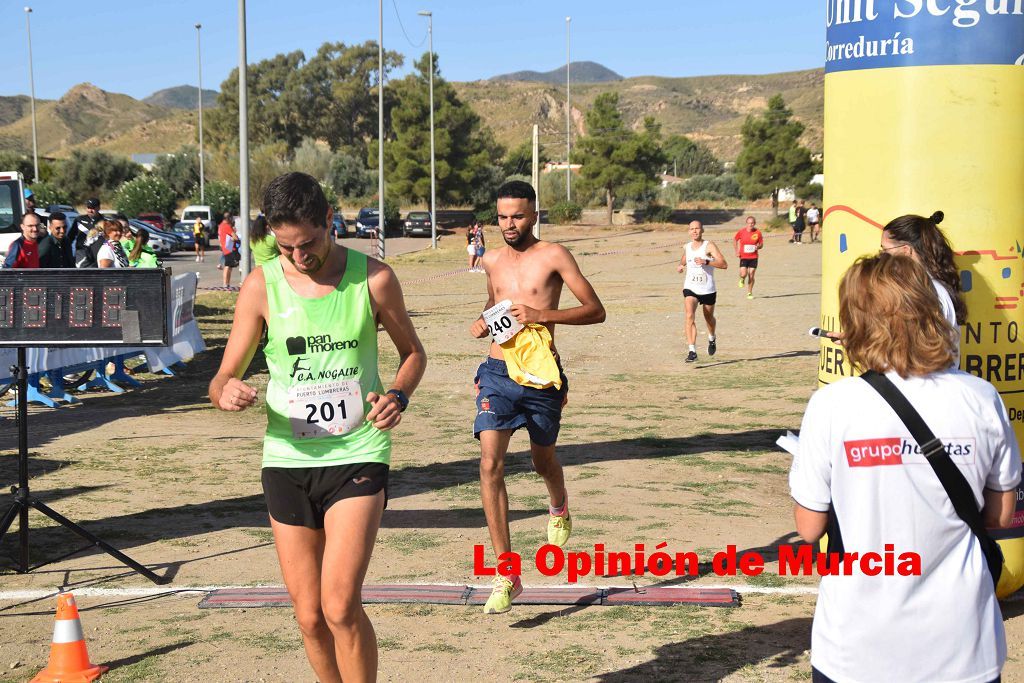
{"points": [[502, 595], [559, 529], [742, 283]]}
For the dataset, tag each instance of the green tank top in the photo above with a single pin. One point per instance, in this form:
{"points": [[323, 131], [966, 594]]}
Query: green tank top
{"points": [[322, 357], [264, 250]]}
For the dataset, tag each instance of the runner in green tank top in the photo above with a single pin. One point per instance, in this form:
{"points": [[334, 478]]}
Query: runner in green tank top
{"points": [[327, 446]]}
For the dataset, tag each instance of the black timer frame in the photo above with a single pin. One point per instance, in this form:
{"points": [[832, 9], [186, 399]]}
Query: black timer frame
{"points": [[107, 307]]}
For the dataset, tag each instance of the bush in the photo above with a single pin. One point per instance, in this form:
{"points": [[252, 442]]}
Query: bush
{"points": [[179, 170], [657, 213], [49, 193], [709, 187], [487, 215], [350, 178], [331, 195], [94, 172], [222, 197], [563, 213], [145, 193]]}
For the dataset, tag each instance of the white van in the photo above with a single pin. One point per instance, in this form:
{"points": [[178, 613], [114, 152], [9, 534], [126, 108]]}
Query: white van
{"points": [[194, 211]]}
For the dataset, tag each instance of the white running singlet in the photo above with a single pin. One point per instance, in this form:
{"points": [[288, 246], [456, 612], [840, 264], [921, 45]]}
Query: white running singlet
{"points": [[699, 279]]}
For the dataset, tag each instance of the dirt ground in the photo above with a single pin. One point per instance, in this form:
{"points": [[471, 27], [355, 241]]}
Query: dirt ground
{"points": [[654, 449]]}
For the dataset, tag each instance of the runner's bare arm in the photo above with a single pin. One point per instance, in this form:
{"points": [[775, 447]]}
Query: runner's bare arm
{"points": [[681, 266], [479, 327], [736, 243], [227, 390], [810, 524], [717, 259], [589, 312], [386, 296]]}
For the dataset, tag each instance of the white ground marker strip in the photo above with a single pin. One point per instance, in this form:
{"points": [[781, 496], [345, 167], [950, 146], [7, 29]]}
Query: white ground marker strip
{"points": [[191, 591]]}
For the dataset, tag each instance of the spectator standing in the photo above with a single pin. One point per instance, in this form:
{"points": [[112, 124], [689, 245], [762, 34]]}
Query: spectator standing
{"points": [[110, 253], [814, 222], [142, 255], [228, 239], [943, 623], [82, 234], [24, 251], [55, 248], [30, 201], [792, 221], [262, 241], [199, 233], [801, 222]]}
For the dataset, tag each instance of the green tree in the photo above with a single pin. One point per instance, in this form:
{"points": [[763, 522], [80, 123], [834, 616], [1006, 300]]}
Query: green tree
{"points": [[274, 112], [94, 172], [350, 178], [684, 157], [221, 197], [50, 193], [145, 193], [12, 161], [614, 158], [337, 95], [519, 161], [465, 149], [180, 171], [772, 157]]}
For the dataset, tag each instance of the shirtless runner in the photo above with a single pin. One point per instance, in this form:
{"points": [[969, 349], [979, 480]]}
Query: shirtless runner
{"points": [[526, 277]]}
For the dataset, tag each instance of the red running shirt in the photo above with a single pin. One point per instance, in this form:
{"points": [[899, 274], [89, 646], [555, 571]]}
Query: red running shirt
{"points": [[749, 241]]}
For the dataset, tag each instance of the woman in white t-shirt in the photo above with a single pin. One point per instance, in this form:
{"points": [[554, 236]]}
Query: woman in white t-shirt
{"points": [[111, 253], [858, 462]]}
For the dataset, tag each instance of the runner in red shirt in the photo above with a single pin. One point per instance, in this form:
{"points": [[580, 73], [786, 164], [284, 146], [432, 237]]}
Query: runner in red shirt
{"points": [[748, 241], [24, 251]]}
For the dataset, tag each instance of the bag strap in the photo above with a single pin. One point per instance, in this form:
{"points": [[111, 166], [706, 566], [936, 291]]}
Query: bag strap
{"points": [[951, 478]]}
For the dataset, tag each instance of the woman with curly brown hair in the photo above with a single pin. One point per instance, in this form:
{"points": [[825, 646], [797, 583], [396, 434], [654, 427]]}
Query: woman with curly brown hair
{"points": [[860, 472]]}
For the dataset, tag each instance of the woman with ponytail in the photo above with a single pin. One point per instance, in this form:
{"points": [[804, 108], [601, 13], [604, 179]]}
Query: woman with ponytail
{"points": [[142, 255], [921, 239]]}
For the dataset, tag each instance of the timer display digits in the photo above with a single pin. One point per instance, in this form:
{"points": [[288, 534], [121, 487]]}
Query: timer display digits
{"points": [[101, 307]]}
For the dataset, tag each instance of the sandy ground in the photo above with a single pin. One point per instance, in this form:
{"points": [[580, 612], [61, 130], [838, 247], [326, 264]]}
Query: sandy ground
{"points": [[654, 449]]}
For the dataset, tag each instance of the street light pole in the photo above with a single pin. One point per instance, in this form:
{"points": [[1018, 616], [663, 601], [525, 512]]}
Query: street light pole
{"points": [[32, 88], [433, 178], [381, 223], [568, 119], [243, 142], [199, 55]]}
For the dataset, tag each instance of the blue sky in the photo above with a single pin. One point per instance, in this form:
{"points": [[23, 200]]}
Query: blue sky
{"points": [[140, 46]]}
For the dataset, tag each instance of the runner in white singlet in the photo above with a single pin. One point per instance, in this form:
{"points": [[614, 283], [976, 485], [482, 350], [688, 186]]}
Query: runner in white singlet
{"points": [[699, 261]]}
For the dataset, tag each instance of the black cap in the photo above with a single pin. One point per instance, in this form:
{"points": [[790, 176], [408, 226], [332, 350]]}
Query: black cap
{"points": [[92, 203]]}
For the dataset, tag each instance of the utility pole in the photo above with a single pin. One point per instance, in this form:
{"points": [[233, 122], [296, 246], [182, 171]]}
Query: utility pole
{"points": [[381, 224], [32, 88], [568, 119], [535, 176], [433, 177], [243, 143], [199, 54]]}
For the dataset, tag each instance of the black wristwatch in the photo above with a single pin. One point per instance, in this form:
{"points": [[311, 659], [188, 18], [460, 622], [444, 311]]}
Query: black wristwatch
{"points": [[403, 400]]}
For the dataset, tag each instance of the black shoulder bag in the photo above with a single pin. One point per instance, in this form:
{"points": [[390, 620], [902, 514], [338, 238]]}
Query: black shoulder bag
{"points": [[951, 478]]}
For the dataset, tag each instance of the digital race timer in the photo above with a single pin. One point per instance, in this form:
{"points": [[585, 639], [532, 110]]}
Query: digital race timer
{"points": [[90, 307]]}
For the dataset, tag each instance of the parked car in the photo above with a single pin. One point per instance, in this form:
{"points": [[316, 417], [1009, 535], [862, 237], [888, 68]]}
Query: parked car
{"points": [[157, 220], [62, 208], [184, 232], [367, 221], [416, 223], [340, 227], [12, 206], [164, 244]]}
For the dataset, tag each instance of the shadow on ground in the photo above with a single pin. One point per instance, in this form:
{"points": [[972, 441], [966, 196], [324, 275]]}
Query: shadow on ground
{"points": [[712, 657]]}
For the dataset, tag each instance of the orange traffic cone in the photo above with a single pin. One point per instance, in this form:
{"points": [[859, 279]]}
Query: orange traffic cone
{"points": [[69, 660]]}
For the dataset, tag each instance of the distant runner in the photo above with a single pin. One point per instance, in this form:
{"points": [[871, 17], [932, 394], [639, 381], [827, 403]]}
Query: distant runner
{"points": [[748, 241], [521, 383], [699, 261]]}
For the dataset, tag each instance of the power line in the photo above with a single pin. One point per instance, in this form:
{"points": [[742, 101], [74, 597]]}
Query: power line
{"points": [[407, 38]]}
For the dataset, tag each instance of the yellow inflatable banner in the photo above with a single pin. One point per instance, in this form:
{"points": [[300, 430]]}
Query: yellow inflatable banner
{"points": [[924, 112]]}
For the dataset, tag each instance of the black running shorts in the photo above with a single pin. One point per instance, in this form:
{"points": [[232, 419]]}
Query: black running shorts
{"points": [[748, 263], [702, 299], [301, 496]]}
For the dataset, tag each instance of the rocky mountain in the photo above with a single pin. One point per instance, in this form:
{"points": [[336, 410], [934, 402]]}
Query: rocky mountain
{"points": [[579, 72], [182, 97]]}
